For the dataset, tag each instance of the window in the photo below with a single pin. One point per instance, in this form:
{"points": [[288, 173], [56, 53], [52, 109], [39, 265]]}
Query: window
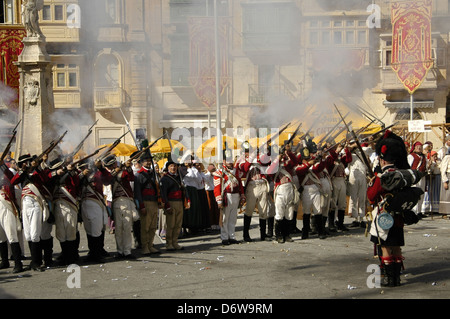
{"points": [[7, 12], [348, 33], [270, 26], [111, 11], [66, 76], [54, 13], [108, 85], [180, 61], [59, 14], [47, 13]]}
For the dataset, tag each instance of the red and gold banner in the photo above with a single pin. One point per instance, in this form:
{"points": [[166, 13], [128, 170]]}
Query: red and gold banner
{"points": [[202, 75], [10, 48], [411, 41]]}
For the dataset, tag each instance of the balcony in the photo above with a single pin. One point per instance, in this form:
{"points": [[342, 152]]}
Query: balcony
{"points": [[109, 98], [390, 81]]}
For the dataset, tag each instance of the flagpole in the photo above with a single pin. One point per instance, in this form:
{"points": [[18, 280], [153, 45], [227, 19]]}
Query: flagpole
{"points": [[411, 101], [218, 111]]}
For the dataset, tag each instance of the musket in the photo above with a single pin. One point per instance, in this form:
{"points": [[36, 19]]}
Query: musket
{"points": [[324, 138], [292, 137], [142, 151], [8, 147], [362, 129], [52, 146], [380, 131], [337, 134], [297, 148], [78, 148], [110, 148], [275, 135], [363, 155], [87, 157], [129, 128]]}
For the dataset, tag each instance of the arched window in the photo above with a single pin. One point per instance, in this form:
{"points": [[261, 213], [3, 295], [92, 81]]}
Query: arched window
{"points": [[107, 74], [108, 84]]}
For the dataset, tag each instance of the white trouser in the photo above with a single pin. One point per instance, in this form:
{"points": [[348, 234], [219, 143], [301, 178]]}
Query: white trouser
{"points": [[257, 195], [357, 184], [311, 199], [229, 218], [123, 210], [284, 201], [66, 220], [421, 184], [32, 219], [94, 217], [327, 193], [339, 195], [9, 224]]}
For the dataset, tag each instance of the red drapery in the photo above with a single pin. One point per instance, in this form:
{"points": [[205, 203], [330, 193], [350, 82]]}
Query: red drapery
{"points": [[10, 48], [202, 74]]}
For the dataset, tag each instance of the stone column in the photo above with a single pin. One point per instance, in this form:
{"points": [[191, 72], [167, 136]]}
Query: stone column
{"points": [[35, 93]]}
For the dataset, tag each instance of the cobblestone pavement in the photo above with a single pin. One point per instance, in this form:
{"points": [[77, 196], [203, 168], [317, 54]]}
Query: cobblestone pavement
{"points": [[331, 268]]}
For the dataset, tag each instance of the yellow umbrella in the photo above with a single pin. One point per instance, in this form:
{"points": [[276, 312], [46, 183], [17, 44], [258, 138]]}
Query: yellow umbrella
{"points": [[208, 148], [163, 146], [122, 149]]}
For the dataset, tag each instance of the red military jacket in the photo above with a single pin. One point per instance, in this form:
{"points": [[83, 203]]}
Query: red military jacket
{"points": [[65, 187], [5, 184], [122, 185], [226, 182]]}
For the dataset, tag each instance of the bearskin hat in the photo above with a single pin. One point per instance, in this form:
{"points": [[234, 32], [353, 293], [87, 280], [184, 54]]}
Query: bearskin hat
{"points": [[391, 148]]}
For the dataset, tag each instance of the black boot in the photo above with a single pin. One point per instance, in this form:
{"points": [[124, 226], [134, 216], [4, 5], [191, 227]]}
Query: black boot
{"points": [[324, 223], [270, 225], [262, 229], [340, 224], [71, 252], [294, 229], [47, 246], [278, 231], [247, 222], [331, 224], [77, 245], [389, 279], [4, 255], [306, 226], [103, 252], [398, 265], [95, 253], [17, 256], [318, 220], [36, 256], [62, 258], [286, 229]]}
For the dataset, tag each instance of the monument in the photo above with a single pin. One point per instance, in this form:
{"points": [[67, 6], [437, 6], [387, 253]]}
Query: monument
{"points": [[36, 85]]}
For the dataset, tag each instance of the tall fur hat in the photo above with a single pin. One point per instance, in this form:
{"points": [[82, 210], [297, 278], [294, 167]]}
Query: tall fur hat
{"points": [[392, 148]]}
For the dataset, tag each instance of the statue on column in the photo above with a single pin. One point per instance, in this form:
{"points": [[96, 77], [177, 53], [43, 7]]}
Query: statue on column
{"points": [[30, 17]]}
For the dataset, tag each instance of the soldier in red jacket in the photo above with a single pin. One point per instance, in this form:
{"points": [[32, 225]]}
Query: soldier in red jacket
{"points": [[9, 220], [229, 193], [392, 202], [64, 182]]}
